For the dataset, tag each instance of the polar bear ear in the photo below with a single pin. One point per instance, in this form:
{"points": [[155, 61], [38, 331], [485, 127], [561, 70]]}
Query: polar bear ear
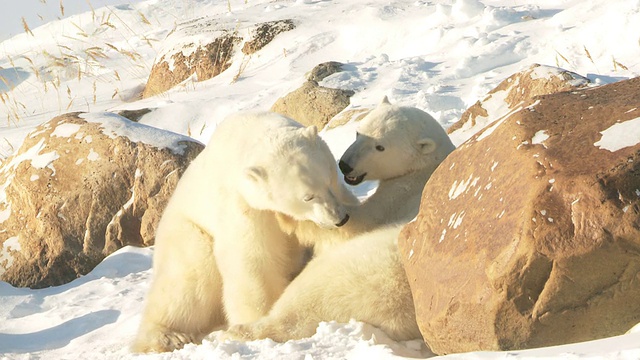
{"points": [[385, 101], [427, 145], [256, 173], [310, 132]]}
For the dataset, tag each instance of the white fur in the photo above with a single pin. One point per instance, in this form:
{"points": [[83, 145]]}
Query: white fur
{"points": [[414, 145], [362, 278], [223, 250]]}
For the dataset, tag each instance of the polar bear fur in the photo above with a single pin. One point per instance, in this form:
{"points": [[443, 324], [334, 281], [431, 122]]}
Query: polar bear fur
{"points": [[360, 279], [223, 250], [400, 147], [361, 276]]}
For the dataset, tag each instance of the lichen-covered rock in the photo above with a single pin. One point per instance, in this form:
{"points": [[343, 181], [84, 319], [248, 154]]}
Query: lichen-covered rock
{"points": [[529, 233], [514, 93], [80, 187]]}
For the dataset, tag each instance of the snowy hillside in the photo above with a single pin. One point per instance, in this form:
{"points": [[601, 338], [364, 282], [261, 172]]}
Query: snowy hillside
{"points": [[441, 56]]}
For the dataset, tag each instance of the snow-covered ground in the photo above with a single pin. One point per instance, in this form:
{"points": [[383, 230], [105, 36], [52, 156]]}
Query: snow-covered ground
{"points": [[440, 55]]}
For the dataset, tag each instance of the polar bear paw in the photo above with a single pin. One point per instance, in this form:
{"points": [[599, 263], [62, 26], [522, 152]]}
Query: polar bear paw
{"points": [[243, 332], [163, 341]]}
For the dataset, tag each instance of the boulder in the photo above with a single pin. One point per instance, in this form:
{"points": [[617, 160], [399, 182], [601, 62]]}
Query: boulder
{"points": [[321, 71], [203, 48], [312, 104], [263, 33], [80, 187], [205, 60], [514, 93], [529, 233]]}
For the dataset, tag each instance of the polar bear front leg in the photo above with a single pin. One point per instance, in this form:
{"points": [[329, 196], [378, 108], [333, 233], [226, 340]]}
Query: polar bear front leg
{"points": [[255, 266]]}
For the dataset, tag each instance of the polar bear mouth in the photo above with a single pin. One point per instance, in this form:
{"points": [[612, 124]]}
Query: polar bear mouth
{"points": [[354, 180]]}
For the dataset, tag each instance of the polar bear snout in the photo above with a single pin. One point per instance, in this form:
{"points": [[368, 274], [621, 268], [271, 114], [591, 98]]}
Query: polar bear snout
{"points": [[344, 167], [346, 170]]}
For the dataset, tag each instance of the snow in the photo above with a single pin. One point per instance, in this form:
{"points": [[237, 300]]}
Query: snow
{"points": [[441, 56], [620, 135], [540, 137], [114, 125]]}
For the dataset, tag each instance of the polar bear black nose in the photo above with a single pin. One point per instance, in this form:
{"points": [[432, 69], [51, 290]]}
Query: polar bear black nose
{"points": [[343, 221], [344, 167]]}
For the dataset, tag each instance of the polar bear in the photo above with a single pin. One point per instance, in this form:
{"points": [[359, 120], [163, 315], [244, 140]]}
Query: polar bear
{"points": [[223, 253], [360, 279], [400, 146], [361, 276]]}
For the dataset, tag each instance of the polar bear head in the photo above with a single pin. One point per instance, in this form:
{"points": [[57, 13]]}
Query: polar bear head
{"points": [[393, 141], [298, 178]]}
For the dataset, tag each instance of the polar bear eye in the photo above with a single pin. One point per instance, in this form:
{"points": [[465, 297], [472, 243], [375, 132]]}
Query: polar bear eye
{"points": [[379, 147], [308, 198]]}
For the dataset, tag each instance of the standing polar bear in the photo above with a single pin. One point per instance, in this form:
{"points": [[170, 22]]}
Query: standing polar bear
{"points": [[362, 277], [223, 251]]}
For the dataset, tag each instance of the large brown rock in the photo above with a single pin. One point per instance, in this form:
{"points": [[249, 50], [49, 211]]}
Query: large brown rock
{"points": [[529, 234], [204, 60], [80, 187], [514, 93], [202, 48]]}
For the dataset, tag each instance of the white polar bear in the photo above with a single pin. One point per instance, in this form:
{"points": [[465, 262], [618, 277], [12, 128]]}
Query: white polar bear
{"points": [[222, 250], [363, 278], [360, 279], [401, 147]]}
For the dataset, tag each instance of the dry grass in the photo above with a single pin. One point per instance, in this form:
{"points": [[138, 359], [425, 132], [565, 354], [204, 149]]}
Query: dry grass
{"points": [[25, 26], [617, 65], [80, 56]]}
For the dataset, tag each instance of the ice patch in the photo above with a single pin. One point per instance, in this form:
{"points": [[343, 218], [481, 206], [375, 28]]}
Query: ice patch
{"points": [[458, 221], [65, 130], [458, 188], [93, 156], [620, 135], [539, 138], [444, 233]]}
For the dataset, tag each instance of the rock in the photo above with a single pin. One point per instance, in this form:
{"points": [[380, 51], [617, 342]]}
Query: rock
{"points": [[313, 104], [516, 92], [529, 233], [321, 71], [80, 187], [134, 115], [262, 34], [204, 60], [202, 47]]}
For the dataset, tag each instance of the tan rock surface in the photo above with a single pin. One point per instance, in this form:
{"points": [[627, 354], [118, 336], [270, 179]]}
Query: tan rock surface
{"points": [[516, 92], [78, 189], [529, 234]]}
